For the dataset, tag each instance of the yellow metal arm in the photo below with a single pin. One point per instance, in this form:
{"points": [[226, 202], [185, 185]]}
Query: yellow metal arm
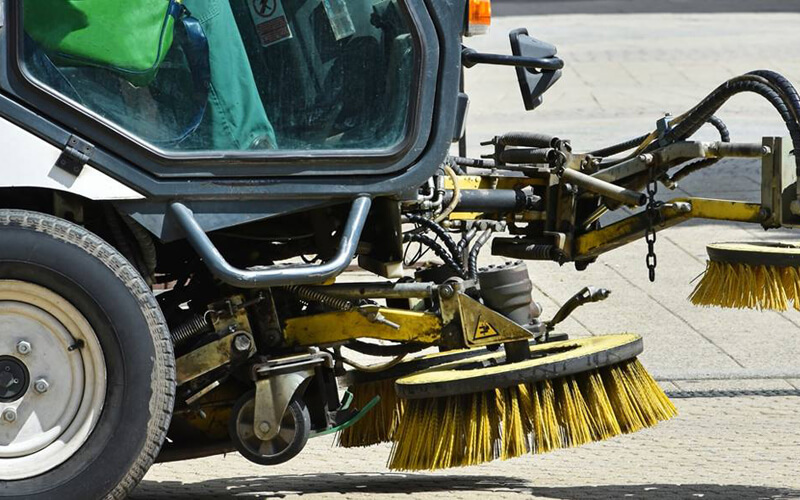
{"points": [[673, 212], [338, 326]]}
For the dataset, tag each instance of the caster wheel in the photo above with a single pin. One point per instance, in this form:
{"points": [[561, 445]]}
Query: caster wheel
{"points": [[292, 438]]}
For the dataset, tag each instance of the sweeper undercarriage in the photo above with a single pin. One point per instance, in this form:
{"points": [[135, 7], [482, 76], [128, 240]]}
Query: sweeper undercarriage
{"points": [[191, 292]]}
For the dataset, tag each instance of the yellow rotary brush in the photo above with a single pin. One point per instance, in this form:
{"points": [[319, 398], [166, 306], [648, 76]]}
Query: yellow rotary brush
{"points": [[566, 394], [762, 275]]}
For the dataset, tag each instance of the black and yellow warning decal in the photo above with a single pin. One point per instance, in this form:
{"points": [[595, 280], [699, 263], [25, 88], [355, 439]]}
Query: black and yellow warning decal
{"points": [[484, 330]]}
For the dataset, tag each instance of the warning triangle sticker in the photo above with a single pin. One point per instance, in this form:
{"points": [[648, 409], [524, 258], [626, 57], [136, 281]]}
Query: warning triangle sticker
{"points": [[483, 330]]}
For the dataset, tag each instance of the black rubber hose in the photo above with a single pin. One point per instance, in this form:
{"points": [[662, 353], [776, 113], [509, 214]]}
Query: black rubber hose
{"points": [[784, 86], [697, 165], [716, 99], [438, 230], [527, 139], [619, 148], [473, 254], [439, 250]]}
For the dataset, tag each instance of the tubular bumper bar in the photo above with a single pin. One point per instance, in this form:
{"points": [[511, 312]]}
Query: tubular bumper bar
{"points": [[276, 275]]}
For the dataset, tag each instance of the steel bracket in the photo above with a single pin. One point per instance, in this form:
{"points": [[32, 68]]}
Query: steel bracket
{"points": [[273, 395]]}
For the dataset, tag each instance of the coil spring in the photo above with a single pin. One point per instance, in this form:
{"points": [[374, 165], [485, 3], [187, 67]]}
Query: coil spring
{"points": [[312, 295], [185, 331]]}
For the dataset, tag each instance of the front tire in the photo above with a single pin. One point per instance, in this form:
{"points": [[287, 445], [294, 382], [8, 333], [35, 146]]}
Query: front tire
{"points": [[92, 412]]}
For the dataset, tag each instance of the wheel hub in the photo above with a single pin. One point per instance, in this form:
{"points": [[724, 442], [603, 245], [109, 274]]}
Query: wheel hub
{"points": [[51, 393], [13, 379]]}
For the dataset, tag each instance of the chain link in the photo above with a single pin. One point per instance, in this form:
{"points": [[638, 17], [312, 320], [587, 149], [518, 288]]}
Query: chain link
{"points": [[653, 217]]}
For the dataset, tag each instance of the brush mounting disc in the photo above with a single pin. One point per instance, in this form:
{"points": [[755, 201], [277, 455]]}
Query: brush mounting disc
{"points": [[548, 361], [760, 253], [413, 365]]}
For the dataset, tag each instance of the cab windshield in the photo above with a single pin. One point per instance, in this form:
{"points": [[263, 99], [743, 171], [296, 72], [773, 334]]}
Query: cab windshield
{"points": [[220, 75]]}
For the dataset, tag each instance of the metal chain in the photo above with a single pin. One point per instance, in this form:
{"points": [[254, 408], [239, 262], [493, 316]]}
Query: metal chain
{"points": [[653, 216]]}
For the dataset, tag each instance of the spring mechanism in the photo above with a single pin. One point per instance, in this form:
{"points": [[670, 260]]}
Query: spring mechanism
{"points": [[197, 325], [312, 295]]}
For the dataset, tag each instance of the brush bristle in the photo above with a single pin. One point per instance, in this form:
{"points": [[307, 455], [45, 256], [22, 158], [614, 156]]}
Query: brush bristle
{"points": [[470, 429], [379, 424], [743, 286]]}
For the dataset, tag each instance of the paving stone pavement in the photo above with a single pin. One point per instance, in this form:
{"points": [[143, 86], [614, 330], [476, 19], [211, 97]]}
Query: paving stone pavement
{"points": [[743, 447], [735, 373]]}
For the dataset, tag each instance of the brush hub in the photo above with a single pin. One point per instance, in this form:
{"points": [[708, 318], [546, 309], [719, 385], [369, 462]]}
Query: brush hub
{"points": [[547, 361], [762, 253]]}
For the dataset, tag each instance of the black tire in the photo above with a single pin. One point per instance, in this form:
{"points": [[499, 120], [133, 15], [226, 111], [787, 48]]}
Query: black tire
{"points": [[132, 333], [296, 415]]}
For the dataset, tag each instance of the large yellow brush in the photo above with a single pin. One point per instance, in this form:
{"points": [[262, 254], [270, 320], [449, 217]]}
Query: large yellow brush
{"points": [[763, 275], [481, 409]]}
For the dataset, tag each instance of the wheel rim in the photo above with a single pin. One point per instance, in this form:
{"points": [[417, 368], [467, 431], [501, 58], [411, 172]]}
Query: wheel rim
{"points": [[245, 431], [48, 417]]}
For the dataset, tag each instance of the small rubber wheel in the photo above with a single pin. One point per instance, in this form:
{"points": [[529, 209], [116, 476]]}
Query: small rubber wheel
{"points": [[292, 438], [89, 416]]}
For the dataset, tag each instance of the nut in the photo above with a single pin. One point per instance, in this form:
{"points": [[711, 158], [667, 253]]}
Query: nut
{"points": [[23, 347], [447, 291], [242, 343], [264, 427], [10, 415], [41, 386]]}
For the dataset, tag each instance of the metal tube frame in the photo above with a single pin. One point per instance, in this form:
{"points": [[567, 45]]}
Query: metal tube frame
{"points": [[276, 275]]}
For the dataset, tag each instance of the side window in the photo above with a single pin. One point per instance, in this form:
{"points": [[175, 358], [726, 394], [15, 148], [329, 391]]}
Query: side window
{"points": [[220, 75]]}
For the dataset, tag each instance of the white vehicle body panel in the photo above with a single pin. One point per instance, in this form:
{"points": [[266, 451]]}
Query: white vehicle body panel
{"points": [[29, 161]]}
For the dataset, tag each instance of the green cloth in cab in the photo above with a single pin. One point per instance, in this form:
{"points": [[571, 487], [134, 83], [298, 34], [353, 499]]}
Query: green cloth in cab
{"points": [[235, 116], [131, 38]]}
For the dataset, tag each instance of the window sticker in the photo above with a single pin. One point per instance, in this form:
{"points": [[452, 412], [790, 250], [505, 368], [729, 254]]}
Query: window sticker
{"points": [[270, 20]]}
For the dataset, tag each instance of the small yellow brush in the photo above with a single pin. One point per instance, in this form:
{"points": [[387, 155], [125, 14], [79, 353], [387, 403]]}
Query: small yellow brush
{"points": [[568, 394], [379, 425], [758, 275]]}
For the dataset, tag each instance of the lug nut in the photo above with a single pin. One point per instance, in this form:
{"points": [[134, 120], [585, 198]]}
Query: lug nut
{"points": [[242, 343], [10, 415], [23, 347], [41, 386]]}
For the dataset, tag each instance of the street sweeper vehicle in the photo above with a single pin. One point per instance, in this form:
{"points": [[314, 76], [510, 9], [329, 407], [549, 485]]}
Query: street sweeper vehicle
{"points": [[188, 186]]}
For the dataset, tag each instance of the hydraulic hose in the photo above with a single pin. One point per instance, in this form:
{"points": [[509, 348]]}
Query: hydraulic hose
{"points": [[438, 230], [439, 250], [476, 249], [619, 148], [746, 83]]}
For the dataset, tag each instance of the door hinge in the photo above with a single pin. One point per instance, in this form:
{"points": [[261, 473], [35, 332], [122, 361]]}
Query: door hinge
{"points": [[75, 156]]}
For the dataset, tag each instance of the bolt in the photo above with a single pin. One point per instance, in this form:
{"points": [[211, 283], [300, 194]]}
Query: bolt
{"points": [[241, 343], [264, 427], [647, 159], [10, 415], [41, 386], [23, 347]]}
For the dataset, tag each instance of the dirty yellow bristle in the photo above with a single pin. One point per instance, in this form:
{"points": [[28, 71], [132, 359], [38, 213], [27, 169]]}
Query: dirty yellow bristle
{"points": [[539, 417], [744, 286], [377, 425]]}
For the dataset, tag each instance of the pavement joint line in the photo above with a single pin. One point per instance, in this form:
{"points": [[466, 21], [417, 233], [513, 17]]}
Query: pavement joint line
{"points": [[675, 315], [687, 252], [733, 393]]}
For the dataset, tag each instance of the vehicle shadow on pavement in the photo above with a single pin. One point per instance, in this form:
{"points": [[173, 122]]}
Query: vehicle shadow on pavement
{"points": [[423, 485], [342, 483]]}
